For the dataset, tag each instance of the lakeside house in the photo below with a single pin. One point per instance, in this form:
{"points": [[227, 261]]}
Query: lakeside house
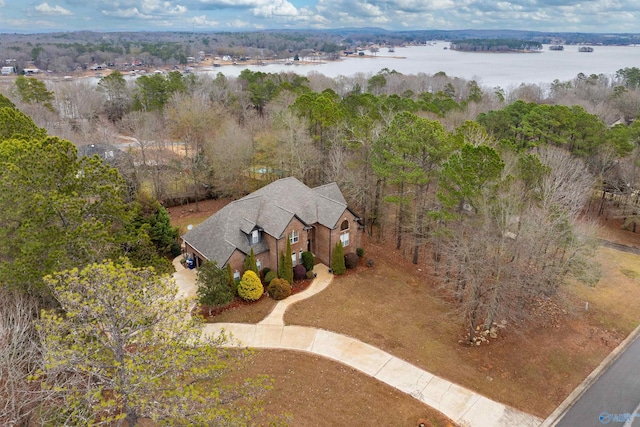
{"points": [[311, 220]]}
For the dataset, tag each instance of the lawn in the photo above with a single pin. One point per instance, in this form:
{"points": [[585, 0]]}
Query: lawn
{"points": [[395, 306], [316, 391]]}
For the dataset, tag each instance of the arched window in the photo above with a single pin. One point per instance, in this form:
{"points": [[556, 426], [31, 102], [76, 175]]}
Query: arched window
{"points": [[344, 225]]}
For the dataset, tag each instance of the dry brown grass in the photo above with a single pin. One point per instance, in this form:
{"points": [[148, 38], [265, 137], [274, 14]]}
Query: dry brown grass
{"points": [[394, 306], [390, 307], [319, 392]]}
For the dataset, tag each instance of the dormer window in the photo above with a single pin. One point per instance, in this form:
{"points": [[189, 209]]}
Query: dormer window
{"points": [[255, 237], [294, 237]]}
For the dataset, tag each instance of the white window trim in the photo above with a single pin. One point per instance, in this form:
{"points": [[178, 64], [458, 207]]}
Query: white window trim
{"points": [[294, 237], [255, 237], [342, 239]]}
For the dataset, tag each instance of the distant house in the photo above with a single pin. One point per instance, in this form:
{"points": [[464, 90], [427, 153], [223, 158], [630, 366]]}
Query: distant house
{"points": [[310, 219], [7, 71], [31, 71]]}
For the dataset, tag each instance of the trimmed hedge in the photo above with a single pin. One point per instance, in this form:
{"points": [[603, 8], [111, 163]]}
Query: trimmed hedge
{"points": [[308, 261], [279, 289], [299, 272], [351, 260], [270, 276], [250, 287]]}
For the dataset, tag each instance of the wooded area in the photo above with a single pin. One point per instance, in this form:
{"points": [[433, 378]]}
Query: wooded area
{"points": [[491, 189]]}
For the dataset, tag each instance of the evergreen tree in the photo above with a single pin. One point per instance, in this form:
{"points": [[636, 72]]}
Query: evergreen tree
{"points": [[231, 282], [250, 263], [337, 260], [287, 269], [153, 363], [213, 286]]}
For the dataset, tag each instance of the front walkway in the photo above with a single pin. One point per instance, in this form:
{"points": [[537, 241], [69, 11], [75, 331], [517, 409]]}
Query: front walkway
{"points": [[462, 405]]}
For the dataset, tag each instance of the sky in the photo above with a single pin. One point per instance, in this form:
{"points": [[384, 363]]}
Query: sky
{"points": [[601, 16]]}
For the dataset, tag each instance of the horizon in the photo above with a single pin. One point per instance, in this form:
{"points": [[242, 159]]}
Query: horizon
{"points": [[566, 16], [311, 30]]}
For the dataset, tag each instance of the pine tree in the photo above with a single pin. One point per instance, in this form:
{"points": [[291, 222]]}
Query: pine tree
{"points": [[287, 272], [250, 263], [337, 260]]}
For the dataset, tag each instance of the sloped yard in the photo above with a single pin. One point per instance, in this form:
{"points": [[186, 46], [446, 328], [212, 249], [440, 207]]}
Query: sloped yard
{"points": [[395, 306]]}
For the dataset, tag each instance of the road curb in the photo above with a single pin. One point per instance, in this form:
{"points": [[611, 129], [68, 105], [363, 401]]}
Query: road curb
{"points": [[564, 407]]}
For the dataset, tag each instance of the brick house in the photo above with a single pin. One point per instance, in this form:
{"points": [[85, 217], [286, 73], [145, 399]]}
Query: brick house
{"points": [[311, 219]]}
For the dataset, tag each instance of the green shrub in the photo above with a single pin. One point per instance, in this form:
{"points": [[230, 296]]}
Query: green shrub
{"points": [[337, 260], [264, 271], [250, 262], [308, 261], [360, 252], [299, 272], [213, 288], [270, 276], [351, 260], [310, 275], [285, 271], [279, 289], [250, 287], [176, 250]]}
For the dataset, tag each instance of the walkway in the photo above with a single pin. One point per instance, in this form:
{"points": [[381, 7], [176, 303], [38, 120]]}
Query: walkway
{"points": [[462, 405]]}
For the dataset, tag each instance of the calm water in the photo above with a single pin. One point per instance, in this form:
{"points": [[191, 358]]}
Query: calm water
{"points": [[506, 70]]}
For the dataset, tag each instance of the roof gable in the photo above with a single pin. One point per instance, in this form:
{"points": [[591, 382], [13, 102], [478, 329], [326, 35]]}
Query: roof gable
{"points": [[270, 208]]}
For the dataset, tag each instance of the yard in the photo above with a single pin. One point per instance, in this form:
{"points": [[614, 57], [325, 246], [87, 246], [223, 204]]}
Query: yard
{"points": [[394, 306]]}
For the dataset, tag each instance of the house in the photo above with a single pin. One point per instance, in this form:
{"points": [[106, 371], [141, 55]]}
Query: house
{"points": [[7, 71], [310, 219]]}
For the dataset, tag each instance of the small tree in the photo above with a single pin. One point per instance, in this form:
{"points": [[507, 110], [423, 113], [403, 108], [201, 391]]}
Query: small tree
{"points": [[121, 348], [231, 281], [213, 286], [250, 287], [337, 260], [250, 263], [287, 265]]}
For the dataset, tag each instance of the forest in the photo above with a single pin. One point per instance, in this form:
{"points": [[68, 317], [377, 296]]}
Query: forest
{"points": [[488, 188], [495, 45]]}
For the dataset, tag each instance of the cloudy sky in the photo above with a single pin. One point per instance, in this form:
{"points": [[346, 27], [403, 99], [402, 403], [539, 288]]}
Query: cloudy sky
{"points": [[230, 15]]}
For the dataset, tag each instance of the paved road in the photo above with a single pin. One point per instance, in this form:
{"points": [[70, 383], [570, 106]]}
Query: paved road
{"points": [[613, 398]]}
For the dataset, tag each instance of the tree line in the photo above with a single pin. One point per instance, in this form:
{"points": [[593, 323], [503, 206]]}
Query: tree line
{"points": [[91, 330], [484, 186]]}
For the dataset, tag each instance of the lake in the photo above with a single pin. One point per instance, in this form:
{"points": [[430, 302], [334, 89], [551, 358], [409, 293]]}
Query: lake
{"points": [[506, 70]]}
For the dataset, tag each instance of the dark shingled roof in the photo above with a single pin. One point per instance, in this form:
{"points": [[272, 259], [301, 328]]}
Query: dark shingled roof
{"points": [[270, 209]]}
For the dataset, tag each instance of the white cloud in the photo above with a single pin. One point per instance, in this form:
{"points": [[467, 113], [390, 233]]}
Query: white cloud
{"points": [[202, 21], [161, 7], [1, 3], [45, 9], [275, 8], [132, 12]]}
